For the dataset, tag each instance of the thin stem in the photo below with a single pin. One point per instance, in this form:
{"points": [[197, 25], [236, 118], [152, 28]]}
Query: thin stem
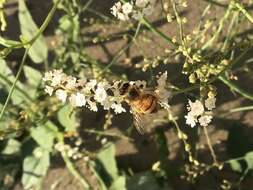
{"points": [[158, 32], [103, 133], [219, 30], [42, 27], [8, 81], [236, 88], [245, 108], [14, 83], [240, 7], [182, 136], [73, 171], [70, 165], [179, 21], [213, 79], [117, 56], [210, 147]]}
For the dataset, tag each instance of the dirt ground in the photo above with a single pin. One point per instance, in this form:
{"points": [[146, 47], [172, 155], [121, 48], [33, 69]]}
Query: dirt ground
{"points": [[141, 153]]}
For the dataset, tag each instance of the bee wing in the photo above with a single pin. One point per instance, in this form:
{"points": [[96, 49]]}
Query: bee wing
{"points": [[138, 122]]}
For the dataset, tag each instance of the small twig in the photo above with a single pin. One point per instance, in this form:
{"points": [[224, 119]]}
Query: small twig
{"points": [[237, 89], [73, 171], [219, 30], [103, 133], [15, 82], [158, 32], [240, 7], [210, 147]]}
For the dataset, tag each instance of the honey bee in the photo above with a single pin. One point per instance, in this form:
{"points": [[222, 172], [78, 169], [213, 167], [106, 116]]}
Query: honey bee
{"points": [[141, 102]]}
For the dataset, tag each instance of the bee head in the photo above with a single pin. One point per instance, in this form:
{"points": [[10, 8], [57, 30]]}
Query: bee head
{"points": [[133, 93], [124, 88]]}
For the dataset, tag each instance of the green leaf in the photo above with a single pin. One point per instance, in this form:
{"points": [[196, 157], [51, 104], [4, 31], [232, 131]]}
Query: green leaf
{"points": [[44, 135], [35, 168], [106, 158], [235, 165], [249, 159], [12, 147], [6, 81], [119, 184], [145, 181], [38, 51], [67, 118], [33, 76]]}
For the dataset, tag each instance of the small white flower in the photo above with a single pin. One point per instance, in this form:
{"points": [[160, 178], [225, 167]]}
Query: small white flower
{"points": [[38, 153], [190, 120], [100, 94], [104, 140], [92, 105], [81, 82], [59, 147], [196, 108], [61, 95], [106, 104], [122, 16], [204, 120], [71, 83], [77, 100], [48, 76], [127, 8], [161, 90], [210, 103], [116, 8], [162, 80], [49, 90], [118, 108], [91, 84], [141, 3], [58, 77]]}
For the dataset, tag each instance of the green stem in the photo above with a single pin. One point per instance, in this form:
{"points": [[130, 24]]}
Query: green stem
{"points": [[158, 32], [216, 76], [42, 27], [243, 11], [236, 88], [71, 166], [245, 108], [14, 83], [219, 30], [117, 56], [73, 171], [215, 162], [5, 79], [103, 133]]}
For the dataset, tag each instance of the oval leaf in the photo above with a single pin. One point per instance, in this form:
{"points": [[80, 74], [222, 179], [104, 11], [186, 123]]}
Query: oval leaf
{"points": [[38, 51]]}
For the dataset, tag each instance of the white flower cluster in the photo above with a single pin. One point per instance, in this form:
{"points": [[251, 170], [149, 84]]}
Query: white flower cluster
{"points": [[197, 112], [134, 9], [70, 151], [81, 92], [87, 93]]}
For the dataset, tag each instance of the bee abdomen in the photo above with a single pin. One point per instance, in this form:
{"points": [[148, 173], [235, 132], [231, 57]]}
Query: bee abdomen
{"points": [[149, 104]]}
